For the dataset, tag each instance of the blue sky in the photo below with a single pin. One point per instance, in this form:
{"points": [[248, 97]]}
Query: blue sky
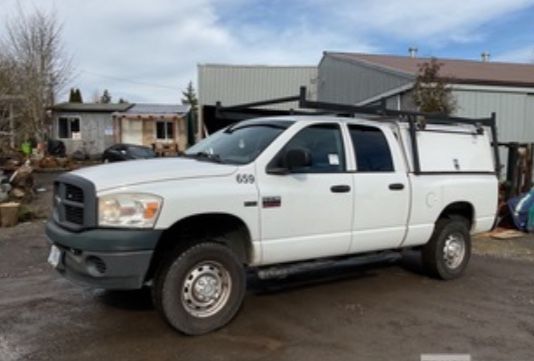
{"points": [[148, 50]]}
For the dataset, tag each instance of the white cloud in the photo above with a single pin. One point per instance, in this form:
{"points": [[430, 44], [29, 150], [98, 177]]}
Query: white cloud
{"points": [[160, 42], [425, 20], [520, 55]]}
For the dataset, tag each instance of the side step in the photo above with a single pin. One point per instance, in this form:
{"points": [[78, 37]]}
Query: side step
{"points": [[289, 269]]}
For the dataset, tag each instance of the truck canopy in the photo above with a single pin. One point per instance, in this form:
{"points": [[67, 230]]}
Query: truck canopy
{"points": [[450, 149]]}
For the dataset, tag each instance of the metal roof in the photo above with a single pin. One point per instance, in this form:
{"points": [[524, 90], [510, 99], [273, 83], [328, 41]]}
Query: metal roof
{"points": [[460, 71], [91, 107], [124, 108], [149, 108]]}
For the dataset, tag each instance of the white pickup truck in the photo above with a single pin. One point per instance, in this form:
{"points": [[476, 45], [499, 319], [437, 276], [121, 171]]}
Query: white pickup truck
{"points": [[273, 192]]}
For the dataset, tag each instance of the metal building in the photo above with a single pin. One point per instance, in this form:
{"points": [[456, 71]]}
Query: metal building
{"points": [[237, 84], [480, 87]]}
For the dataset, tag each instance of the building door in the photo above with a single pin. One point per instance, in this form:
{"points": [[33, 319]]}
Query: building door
{"points": [[132, 131]]}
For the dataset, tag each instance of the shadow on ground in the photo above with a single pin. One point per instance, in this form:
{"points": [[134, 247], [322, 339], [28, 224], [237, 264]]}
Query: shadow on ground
{"points": [[141, 300]]}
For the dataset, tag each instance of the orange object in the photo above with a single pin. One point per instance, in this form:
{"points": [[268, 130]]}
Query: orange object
{"points": [[151, 210]]}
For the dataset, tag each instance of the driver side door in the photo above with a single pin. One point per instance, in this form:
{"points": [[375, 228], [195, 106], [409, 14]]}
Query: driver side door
{"points": [[307, 213]]}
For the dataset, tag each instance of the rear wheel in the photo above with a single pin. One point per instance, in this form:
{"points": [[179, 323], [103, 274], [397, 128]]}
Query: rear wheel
{"points": [[447, 253], [200, 289]]}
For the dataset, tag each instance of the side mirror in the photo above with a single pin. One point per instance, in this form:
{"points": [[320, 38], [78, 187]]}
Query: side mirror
{"points": [[296, 158], [291, 160]]}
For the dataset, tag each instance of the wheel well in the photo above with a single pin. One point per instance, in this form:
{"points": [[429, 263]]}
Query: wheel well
{"points": [[219, 227], [464, 209]]}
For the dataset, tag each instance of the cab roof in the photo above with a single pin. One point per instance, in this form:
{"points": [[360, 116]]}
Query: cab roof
{"points": [[374, 121]]}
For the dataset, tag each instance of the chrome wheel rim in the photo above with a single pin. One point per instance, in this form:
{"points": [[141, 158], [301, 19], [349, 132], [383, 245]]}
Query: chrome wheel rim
{"points": [[454, 250], [206, 289]]}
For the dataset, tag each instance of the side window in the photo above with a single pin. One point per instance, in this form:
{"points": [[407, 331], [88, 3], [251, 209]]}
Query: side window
{"points": [[372, 149], [325, 145]]}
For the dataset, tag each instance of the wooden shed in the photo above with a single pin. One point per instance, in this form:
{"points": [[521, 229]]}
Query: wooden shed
{"points": [[160, 126]]}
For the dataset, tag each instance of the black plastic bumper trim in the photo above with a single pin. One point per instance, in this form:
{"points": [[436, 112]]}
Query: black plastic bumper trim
{"points": [[104, 239], [123, 270]]}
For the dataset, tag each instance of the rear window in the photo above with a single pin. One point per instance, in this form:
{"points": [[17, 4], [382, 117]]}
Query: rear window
{"points": [[141, 152], [371, 148]]}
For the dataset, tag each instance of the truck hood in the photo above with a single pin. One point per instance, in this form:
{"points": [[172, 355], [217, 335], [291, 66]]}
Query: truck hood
{"points": [[120, 174]]}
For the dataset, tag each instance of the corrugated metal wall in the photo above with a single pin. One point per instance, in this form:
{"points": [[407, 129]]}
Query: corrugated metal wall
{"points": [[342, 81], [529, 117], [515, 111], [235, 84]]}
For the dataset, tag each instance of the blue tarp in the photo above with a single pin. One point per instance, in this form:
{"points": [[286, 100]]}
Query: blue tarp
{"points": [[522, 211]]}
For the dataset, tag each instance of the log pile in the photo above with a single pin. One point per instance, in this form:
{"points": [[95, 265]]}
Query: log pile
{"points": [[14, 189]]}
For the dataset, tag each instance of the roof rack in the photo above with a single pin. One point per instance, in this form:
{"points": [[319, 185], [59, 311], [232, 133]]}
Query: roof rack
{"points": [[416, 120]]}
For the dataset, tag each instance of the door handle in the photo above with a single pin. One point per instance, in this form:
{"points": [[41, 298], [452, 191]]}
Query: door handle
{"points": [[396, 186], [341, 188]]}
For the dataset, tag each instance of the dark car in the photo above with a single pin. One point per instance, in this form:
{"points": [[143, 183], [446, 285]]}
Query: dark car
{"points": [[120, 152]]}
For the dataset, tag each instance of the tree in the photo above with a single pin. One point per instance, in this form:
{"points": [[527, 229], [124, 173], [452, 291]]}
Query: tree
{"points": [[431, 92], [106, 97], [42, 68], [7, 75], [11, 103], [75, 96], [190, 97]]}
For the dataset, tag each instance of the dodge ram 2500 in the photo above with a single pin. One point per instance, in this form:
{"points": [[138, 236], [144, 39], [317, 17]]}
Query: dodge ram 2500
{"points": [[271, 192]]}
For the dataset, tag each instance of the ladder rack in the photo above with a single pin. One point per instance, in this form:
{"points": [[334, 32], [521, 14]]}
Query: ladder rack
{"points": [[416, 120]]}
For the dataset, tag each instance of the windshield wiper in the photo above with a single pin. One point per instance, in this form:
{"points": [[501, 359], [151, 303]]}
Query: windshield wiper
{"points": [[205, 156]]}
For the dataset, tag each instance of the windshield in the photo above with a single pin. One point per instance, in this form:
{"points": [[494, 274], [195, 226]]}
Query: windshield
{"points": [[238, 144], [141, 152]]}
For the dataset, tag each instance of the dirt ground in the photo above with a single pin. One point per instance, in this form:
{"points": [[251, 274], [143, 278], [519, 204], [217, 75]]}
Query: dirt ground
{"points": [[379, 312]]}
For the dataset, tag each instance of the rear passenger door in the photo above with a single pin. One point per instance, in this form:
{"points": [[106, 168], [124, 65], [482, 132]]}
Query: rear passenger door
{"points": [[381, 191]]}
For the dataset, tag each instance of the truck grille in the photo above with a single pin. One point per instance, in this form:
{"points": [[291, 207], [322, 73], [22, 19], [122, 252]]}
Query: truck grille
{"points": [[74, 214], [74, 202], [74, 193]]}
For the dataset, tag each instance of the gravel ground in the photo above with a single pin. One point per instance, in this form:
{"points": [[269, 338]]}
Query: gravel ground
{"points": [[379, 312]]}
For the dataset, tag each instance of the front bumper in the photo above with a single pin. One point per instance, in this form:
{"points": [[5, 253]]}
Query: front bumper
{"points": [[115, 259]]}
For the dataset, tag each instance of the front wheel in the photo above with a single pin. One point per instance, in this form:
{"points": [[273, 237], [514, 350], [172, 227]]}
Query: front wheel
{"points": [[447, 253], [200, 289]]}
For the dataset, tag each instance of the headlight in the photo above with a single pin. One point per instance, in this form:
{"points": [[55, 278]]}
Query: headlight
{"points": [[129, 210]]}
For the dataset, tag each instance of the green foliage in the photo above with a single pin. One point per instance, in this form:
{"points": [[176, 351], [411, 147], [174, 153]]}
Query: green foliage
{"points": [[105, 98], [75, 96], [190, 97], [431, 92]]}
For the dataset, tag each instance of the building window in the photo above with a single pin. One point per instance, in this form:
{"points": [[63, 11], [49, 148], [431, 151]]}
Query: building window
{"points": [[68, 128], [164, 130]]}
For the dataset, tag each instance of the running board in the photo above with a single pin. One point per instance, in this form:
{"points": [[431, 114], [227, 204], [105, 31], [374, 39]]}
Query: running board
{"points": [[285, 270]]}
